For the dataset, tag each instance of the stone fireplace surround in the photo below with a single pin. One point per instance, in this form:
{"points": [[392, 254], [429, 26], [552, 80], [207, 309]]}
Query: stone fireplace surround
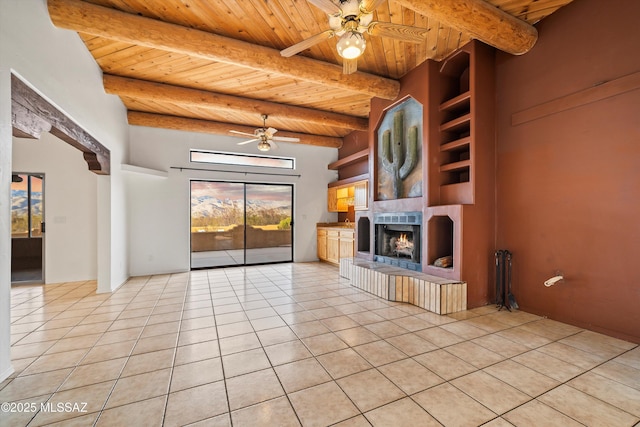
{"points": [[440, 290]]}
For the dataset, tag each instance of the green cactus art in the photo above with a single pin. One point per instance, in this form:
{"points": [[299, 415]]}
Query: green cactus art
{"points": [[399, 156]]}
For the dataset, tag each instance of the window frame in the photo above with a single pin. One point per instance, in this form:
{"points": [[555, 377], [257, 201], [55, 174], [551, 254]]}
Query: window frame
{"points": [[231, 155]]}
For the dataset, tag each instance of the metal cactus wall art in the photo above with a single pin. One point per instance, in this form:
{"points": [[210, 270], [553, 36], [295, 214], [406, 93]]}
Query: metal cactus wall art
{"points": [[399, 153]]}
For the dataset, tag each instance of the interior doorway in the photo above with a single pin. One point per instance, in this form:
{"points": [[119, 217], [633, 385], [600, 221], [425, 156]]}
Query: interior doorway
{"points": [[238, 223], [27, 228]]}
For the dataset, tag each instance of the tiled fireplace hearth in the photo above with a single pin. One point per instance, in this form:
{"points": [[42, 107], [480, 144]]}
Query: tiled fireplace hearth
{"points": [[436, 294]]}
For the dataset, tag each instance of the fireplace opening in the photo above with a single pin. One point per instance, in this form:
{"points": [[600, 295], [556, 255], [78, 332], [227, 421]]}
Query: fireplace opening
{"points": [[440, 241], [397, 239]]}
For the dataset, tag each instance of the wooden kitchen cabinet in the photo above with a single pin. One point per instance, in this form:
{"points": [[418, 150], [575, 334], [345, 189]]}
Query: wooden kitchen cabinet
{"points": [[346, 244], [361, 196], [335, 242], [322, 243], [332, 199], [333, 246], [340, 198]]}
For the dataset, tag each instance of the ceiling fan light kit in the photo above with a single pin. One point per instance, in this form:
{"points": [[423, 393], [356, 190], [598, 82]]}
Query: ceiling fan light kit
{"points": [[349, 20], [351, 45], [264, 146], [264, 136]]}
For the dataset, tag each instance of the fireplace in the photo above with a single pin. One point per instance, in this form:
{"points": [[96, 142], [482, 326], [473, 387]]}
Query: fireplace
{"points": [[397, 239]]}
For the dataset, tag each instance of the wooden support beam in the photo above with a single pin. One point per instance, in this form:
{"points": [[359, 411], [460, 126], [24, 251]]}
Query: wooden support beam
{"points": [[139, 118], [26, 124], [186, 97], [112, 24], [32, 114], [481, 20]]}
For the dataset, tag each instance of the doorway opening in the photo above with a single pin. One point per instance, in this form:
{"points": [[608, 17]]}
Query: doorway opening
{"points": [[27, 228], [238, 223]]}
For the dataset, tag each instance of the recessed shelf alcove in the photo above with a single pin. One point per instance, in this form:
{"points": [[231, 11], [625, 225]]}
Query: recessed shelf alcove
{"points": [[444, 238], [440, 238], [364, 234]]}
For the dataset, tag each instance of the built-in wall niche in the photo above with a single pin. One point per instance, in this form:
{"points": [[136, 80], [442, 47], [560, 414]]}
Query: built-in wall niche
{"points": [[444, 237], [440, 242], [363, 228], [455, 121]]}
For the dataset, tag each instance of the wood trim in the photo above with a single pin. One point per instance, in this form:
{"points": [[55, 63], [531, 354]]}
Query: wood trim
{"points": [[139, 118], [349, 160], [480, 20], [586, 96], [31, 115], [100, 21], [160, 92]]}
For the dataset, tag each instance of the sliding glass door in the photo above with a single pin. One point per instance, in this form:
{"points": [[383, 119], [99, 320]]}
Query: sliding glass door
{"points": [[236, 223]]}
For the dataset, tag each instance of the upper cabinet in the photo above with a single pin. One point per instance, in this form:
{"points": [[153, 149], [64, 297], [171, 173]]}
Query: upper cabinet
{"points": [[361, 195], [341, 196]]}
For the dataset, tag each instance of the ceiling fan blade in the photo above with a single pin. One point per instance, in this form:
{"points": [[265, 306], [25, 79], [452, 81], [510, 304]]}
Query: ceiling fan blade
{"points": [[327, 6], [271, 131], [273, 144], [367, 6], [400, 32], [349, 66], [247, 142], [285, 139], [307, 43], [241, 133]]}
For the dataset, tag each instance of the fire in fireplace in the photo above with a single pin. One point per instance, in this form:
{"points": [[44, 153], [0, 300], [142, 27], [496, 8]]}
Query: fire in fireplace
{"points": [[397, 239], [403, 246]]}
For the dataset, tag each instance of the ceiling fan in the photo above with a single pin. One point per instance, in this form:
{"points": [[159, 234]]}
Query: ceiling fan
{"points": [[264, 136], [349, 20]]}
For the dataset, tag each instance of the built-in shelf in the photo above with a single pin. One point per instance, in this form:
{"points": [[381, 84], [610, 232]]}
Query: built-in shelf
{"points": [[456, 133], [458, 144], [460, 102], [349, 160], [457, 124], [350, 180], [456, 166], [455, 64], [144, 171]]}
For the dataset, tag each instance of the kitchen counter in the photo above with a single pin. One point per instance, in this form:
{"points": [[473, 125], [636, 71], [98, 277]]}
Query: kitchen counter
{"points": [[350, 225]]}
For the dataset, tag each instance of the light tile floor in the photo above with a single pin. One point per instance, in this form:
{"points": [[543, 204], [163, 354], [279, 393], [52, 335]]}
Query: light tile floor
{"points": [[294, 344]]}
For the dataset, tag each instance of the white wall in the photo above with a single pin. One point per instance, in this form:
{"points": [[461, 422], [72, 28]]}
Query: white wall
{"points": [[159, 208], [70, 206], [57, 64]]}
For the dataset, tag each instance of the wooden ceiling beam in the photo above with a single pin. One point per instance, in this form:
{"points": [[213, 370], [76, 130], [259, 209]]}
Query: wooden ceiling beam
{"points": [[186, 97], [138, 118], [480, 20], [112, 24], [31, 115]]}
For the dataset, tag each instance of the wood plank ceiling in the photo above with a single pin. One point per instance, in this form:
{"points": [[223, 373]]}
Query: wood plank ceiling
{"points": [[214, 65]]}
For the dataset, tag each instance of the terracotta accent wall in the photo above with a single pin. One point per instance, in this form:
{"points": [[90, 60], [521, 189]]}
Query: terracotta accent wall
{"points": [[568, 183], [354, 142]]}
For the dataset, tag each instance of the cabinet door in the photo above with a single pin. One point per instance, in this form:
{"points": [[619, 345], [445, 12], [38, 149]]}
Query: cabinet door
{"points": [[333, 246], [361, 196], [332, 199], [322, 244], [347, 244]]}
